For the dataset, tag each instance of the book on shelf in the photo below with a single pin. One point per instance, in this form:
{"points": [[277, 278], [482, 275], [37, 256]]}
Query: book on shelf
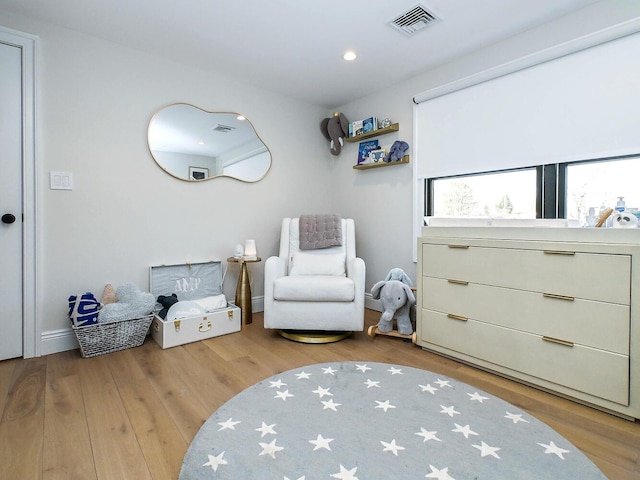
{"points": [[355, 128], [364, 148], [369, 124]]}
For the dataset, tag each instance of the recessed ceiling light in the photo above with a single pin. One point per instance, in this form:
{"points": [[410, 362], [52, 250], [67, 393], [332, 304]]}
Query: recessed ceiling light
{"points": [[350, 56], [200, 142], [241, 117]]}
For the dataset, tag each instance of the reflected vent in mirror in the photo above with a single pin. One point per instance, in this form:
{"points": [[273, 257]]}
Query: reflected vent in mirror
{"points": [[223, 128]]}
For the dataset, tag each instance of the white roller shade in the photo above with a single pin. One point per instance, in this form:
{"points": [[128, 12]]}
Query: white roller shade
{"points": [[580, 106]]}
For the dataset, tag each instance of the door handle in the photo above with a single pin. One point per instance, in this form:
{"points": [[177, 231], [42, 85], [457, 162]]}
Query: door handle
{"points": [[8, 218]]}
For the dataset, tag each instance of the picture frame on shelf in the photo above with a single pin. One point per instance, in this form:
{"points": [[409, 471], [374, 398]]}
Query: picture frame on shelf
{"points": [[198, 173]]}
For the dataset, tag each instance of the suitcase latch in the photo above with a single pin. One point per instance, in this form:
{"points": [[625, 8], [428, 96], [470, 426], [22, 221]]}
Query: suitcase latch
{"points": [[230, 314], [204, 328], [176, 324]]}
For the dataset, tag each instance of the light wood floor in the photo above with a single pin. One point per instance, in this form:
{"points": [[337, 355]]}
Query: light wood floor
{"points": [[132, 414]]}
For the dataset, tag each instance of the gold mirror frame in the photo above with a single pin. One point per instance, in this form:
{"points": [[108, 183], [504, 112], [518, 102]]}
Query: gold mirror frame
{"points": [[195, 145]]}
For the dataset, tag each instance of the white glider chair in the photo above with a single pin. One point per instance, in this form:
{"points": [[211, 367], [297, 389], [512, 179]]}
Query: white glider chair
{"points": [[314, 295]]}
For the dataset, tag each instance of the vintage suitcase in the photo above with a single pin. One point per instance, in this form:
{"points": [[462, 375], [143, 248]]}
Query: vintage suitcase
{"points": [[191, 282]]}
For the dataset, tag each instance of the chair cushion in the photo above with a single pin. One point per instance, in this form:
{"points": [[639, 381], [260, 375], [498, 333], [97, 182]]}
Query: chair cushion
{"points": [[314, 288], [317, 264]]}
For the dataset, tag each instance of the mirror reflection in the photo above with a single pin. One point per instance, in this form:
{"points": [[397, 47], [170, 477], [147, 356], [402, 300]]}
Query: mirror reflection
{"points": [[194, 145]]}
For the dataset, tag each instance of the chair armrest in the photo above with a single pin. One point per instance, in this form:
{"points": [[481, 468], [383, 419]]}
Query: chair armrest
{"points": [[274, 267], [356, 271]]}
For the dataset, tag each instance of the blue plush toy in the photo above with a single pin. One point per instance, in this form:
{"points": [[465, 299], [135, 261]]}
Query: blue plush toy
{"points": [[83, 309], [396, 152]]}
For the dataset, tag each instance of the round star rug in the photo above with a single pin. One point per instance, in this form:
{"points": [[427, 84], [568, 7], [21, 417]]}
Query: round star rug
{"points": [[376, 421]]}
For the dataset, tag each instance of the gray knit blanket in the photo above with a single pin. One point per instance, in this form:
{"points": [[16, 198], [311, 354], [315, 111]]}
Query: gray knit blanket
{"points": [[320, 231]]}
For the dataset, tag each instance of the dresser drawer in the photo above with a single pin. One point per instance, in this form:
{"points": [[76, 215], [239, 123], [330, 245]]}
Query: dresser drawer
{"points": [[593, 276], [578, 321], [588, 370]]}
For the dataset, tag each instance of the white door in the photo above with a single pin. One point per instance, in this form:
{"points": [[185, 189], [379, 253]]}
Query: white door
{"points": [[11, 134]]}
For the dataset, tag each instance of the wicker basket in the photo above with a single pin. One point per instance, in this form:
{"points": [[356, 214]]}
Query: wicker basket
{"points": [[101, 338]]}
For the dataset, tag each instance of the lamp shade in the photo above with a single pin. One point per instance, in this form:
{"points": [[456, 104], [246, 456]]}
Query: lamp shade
{"points": [[250, 248]]}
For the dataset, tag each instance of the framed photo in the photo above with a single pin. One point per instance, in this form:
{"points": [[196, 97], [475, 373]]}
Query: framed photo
{"points": [[376, 156], [198, 173]]}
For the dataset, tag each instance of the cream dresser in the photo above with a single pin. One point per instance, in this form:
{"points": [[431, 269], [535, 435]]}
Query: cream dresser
{"points": [[557, 308]]}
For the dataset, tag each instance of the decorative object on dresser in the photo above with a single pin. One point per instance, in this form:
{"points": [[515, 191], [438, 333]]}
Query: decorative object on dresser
{"points": [[369, 420], [556, 308], [202, 310]]}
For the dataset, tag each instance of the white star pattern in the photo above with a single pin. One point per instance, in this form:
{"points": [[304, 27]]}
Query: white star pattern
{"points": [[477, 397], [515, 417], [322, 391], [553, 448], [266, 429], [391, 447], [321, 442], [427, 435], [215, 462], [384, 405], [283, 395], [466, 430], [451, 411], [442, 474], [331, 405], [345, 474], [229, 424], [428, 388], [270, 449], [487, 450], [308, 440]]}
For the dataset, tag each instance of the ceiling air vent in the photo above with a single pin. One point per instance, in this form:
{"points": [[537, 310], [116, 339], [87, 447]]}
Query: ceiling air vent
{"points": [[223, 128], [414, 20]]}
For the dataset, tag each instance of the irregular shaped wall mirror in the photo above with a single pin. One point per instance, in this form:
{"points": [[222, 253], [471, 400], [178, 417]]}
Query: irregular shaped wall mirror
{"points": [[194, 145]]}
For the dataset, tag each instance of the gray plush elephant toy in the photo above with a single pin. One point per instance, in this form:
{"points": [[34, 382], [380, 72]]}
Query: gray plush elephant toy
{"points": [[335, 129], [397, 298]]}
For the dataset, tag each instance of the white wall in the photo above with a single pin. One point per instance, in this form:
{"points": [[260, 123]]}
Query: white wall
{"points": [[381, 199], [94, 102]]}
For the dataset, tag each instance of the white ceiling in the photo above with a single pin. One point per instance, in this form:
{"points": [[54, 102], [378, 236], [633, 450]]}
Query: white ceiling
{"points": [[295, 46]]}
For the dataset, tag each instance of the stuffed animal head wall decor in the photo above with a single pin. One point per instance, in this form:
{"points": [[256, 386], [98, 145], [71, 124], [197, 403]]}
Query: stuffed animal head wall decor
{"points": [[335, 129]]}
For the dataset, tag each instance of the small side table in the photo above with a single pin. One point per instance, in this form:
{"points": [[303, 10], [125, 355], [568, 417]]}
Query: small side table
{"points": [[243, 290]]}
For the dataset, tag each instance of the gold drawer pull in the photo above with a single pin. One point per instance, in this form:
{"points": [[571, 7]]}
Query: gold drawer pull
{"points": [[558, 341], [558, 252], [457, 317], [458, 246], [458, 282], [558, 297], [202, 328]]}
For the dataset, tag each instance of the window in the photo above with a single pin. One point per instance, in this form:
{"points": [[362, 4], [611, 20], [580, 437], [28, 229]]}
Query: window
{"points": [[598, 184], [504, 194], [566, 190]]}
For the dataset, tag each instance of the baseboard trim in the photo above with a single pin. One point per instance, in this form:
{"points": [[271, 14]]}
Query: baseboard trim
{"points": [[55, 341]]}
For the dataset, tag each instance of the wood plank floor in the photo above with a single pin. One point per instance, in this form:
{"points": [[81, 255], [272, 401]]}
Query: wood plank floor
{"points": [[132, 414]]}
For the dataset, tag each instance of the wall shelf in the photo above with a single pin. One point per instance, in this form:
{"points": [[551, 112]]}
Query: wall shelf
{"points": [[380, 131], [404, 160]]}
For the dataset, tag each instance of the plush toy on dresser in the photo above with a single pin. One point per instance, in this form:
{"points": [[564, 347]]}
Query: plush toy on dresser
{"points": [[396, 297]]}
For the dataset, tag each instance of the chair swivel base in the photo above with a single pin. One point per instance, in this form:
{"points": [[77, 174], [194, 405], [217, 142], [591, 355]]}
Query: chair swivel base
{"points": [[314, 336]]}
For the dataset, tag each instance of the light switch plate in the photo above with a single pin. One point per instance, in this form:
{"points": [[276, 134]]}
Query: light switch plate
{"points": [[61, 180]]}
